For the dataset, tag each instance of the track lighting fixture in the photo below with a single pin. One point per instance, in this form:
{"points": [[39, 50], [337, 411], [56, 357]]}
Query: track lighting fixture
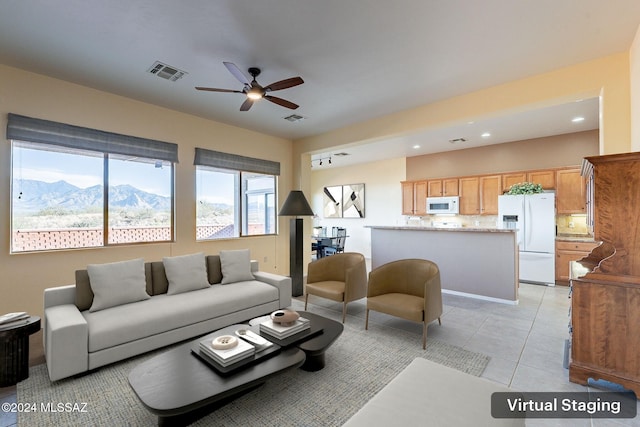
{"points": [[321, 160]]}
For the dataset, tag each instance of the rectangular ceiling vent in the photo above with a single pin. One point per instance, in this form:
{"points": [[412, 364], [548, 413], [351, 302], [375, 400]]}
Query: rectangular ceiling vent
{"points": [[165, 71], [341, 154], [294, 118], [453, 141]]}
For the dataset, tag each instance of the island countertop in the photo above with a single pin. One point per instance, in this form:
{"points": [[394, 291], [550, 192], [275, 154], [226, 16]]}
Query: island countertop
{"points": [[473, 261], [455, 229]]}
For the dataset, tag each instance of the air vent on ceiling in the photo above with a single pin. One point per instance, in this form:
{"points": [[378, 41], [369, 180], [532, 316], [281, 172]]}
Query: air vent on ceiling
{"points": [[453, 141], [165, 71], [340, 154], [294, 118]]}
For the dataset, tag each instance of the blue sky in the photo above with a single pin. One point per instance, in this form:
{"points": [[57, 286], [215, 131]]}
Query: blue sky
{"points": [[86, 171]]}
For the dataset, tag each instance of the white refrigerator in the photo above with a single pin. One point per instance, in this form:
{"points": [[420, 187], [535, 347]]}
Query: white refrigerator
{"points": [[533, 216]]}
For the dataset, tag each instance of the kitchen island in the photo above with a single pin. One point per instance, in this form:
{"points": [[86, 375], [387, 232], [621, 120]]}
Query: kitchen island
{"points": [[474, 262]]}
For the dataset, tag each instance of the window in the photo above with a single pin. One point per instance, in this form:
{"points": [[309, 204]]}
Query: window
{"points": [[75, 188], [231, 200]]}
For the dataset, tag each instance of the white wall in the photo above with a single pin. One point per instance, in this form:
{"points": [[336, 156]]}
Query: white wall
{"points": [[383, 199]]}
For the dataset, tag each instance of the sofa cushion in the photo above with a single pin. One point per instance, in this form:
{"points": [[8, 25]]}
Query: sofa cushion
{"points": [[84, 294], [162, 313], [117, 283], [236, 266], [185, 273]]}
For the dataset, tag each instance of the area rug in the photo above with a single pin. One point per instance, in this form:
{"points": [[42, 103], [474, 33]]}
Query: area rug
{"points": [[358, 365]]}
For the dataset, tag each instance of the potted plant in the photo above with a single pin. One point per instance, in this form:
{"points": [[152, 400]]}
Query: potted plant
{"points": [[525, 188]]}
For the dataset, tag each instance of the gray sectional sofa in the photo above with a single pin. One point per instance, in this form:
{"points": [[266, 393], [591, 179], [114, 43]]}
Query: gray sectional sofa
{"points": [[109, 315]]}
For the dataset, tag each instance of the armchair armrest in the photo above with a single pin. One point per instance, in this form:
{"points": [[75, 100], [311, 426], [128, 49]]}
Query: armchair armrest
{"points": [[66, 341], [356, 282], [283, 283]]}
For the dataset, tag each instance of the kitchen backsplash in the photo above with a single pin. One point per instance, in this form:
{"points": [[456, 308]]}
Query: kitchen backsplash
{"points": [[565, 224]]}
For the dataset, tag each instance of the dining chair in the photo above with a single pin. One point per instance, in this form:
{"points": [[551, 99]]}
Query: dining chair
{"points": [[338, 247]]}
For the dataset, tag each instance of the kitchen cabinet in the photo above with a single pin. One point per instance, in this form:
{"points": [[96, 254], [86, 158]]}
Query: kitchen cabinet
{"points": [[570, 192], [490, 189], [442, 187], [567, 251], [509, 179], [469, 195], [546, 178], [414, 198]]}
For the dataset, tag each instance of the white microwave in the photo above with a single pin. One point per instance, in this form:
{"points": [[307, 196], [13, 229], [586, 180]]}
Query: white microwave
{"points": [[443, 205]]}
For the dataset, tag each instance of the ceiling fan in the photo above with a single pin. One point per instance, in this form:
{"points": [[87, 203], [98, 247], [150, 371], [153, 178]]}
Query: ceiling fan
{"points": [[254, 91]]}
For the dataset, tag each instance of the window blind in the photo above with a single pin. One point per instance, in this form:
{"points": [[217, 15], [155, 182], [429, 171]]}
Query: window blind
{"points": [[22, 128], [217, 159]]}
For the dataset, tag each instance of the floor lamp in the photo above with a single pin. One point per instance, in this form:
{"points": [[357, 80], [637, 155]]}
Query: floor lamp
{"points": [[296, 206]]}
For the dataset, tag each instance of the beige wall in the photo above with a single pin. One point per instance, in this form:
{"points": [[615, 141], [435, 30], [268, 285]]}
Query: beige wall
{"points": [[25, 276], [539, 153], [634, 61], [383, 199]]}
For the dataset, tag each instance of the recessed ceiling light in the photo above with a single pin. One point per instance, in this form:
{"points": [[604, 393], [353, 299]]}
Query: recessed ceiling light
{"points": [[486, 135], [415, 147], [577, 119]]}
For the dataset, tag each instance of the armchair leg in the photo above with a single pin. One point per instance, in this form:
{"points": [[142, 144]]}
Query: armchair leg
{"points": [[424, 335], [366, 322], [306, 299], [439, 322]]}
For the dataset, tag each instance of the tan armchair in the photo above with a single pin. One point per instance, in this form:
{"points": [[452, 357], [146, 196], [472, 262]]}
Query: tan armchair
{"points": [[341, 277], [410, 289]]}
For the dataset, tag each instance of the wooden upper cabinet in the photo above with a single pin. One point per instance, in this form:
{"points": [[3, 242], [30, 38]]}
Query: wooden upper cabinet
{"points": [[469, 195], [546, 178], [414, 198], [442, 187], [490, 189], [434, 188], [570, 192], [508, 179], [450, 187], [420, 201], [407, 198]]}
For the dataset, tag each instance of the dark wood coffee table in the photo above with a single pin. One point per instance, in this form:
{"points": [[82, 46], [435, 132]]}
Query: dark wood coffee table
{"points": [[180, 387], [315, 346]]}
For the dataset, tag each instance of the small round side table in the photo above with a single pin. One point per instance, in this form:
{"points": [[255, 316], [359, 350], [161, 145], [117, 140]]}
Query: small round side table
{"points": [[14, 351]]}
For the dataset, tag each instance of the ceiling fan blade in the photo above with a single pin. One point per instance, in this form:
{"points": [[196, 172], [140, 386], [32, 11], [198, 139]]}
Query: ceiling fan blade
{"points": [[284, 84], [233, 69], [281, 102], [213, 89], [246, 104]]}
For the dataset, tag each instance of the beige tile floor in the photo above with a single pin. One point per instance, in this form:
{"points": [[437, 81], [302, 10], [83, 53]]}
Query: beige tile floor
{"points": [[525, 341]]}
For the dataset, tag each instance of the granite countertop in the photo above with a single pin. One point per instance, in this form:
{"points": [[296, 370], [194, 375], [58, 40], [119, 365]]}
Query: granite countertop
{"points": [[575, 238], [457, 229]]}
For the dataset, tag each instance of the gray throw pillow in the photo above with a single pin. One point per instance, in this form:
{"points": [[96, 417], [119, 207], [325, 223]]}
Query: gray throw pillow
{"points": [[185, 273], [236, 266], [117, 283]]}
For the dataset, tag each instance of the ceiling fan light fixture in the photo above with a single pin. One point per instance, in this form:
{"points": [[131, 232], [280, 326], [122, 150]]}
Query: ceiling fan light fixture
{"points": [[254, 94]]}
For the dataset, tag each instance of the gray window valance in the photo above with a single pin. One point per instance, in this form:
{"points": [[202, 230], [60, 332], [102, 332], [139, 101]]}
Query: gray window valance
{"points": [[217, 159], [22, 128]]}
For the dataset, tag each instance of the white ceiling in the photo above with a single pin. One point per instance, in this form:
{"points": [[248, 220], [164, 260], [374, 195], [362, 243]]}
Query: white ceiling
{"points": [[360, 59]]}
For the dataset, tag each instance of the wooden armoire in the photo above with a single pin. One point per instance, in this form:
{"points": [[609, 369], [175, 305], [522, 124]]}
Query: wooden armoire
{"points": [[605, 300]]}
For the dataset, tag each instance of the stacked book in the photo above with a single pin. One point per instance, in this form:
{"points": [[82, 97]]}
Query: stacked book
{"points": [[280, 332], [10, 320], [228, 356]]}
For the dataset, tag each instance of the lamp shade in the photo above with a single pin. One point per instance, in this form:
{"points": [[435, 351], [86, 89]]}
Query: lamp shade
{"points": [[296, 205]]}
